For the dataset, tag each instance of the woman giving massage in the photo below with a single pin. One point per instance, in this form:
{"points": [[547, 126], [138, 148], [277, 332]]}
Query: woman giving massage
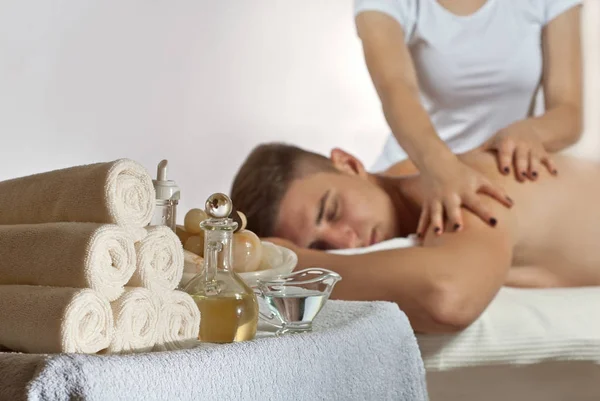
{"points": [[454, 75], [313, 203]]}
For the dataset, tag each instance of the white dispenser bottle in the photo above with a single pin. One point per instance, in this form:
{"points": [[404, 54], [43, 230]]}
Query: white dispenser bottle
{"points": [[167, 198]]}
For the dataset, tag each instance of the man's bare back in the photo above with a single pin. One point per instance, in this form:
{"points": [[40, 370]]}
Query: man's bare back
{"points": [[556, 222]]}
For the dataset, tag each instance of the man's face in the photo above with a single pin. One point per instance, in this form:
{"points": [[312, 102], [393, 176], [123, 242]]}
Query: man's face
{"points": [[329, 210]]}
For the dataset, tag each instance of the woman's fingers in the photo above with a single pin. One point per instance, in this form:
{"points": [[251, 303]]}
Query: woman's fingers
{"points": [[437, 217], [534, 166], [423, 222], [495, 192], [453, 212], [521, 163], [505, 156], [549, 163], [432, 215], [474, 204]]}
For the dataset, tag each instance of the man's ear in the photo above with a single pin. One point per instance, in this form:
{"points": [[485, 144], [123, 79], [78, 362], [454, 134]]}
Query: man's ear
{"points": [[346, 163]]}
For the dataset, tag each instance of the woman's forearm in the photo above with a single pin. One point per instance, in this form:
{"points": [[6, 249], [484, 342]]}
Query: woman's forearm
{"points": [[412, 128], [561, 124], [559, 127], [391, 68]]}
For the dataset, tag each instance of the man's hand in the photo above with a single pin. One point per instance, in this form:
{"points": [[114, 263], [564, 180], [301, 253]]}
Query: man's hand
{"points": [[519, 146]]}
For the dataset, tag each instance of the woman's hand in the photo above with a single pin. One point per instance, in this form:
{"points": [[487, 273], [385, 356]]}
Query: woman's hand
{"points": [[518, 146], [449, 186]]}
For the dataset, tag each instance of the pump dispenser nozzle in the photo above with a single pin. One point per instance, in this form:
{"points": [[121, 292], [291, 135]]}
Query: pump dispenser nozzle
{"points": [[167, 198]]}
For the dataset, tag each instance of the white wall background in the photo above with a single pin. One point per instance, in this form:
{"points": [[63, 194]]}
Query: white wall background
{"points": [[198, 82]]}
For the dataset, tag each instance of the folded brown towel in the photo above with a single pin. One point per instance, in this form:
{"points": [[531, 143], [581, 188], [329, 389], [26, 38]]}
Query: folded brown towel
{"points": [[96, 256], [38, 319], [119, 192]]}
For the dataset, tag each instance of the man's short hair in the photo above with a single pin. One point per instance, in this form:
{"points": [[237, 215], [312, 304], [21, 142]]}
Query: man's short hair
{"points": [[264, 178]]}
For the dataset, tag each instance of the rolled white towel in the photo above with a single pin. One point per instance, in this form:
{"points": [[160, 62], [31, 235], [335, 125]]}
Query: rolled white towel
{"points": [[136, 314], [39, 319], [159, 260], [137, 233], [179, 324], [118, 192], [80, 255]]}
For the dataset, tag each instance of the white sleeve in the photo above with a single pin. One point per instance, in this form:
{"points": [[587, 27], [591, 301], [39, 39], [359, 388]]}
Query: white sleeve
{"points": [[553, 8], [403, 11]]}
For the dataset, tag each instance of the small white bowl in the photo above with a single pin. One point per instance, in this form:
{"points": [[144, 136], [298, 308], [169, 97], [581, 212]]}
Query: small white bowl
{"points": [[276, 260], [280, 259]]}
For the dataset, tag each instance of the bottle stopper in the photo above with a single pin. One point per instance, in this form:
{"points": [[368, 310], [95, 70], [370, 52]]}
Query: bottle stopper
{"points": [[218, 206]]}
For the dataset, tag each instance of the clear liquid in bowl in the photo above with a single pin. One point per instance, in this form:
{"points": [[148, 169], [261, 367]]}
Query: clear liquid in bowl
{"points": [[295, 304]]}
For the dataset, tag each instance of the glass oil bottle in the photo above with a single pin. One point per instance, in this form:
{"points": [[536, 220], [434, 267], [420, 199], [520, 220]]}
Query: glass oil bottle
{"points": [[228, 306]]}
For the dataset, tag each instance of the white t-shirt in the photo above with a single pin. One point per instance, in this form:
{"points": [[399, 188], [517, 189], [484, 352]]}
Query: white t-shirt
{"points": [[478, 73]]}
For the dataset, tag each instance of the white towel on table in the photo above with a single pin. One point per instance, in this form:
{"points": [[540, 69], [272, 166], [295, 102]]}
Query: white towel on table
{"points": [[522, 326], [81, 255], [357, 351], [39, 319], [159, 260], [118, 192], [394, 243], [179, 323], [136, 315]]}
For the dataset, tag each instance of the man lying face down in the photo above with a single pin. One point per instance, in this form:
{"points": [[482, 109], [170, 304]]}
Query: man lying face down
{"points": [[549, 238]]}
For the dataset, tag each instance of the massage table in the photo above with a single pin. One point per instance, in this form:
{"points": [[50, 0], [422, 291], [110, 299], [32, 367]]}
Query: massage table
{"points": [[529, 344]]}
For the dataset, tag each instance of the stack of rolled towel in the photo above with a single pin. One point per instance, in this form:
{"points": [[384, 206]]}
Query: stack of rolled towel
{"points": [[81, 272]]}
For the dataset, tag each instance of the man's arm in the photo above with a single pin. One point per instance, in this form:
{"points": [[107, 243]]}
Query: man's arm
{"points": [[442, 286]]}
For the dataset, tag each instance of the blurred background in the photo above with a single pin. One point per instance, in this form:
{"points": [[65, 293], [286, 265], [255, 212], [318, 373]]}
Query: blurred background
{"points": [[198, 82]]}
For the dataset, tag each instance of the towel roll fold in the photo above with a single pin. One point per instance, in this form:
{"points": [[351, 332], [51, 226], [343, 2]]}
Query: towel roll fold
{"points": [[118, 192], [39, 319], [80, 255], [136, 315], [159, 260], [179, 324]]}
